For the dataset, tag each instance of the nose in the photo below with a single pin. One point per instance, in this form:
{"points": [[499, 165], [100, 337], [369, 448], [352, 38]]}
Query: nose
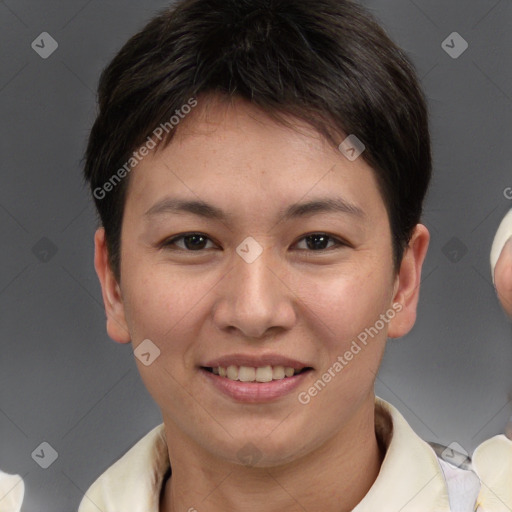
{"points": [[255, 298]]}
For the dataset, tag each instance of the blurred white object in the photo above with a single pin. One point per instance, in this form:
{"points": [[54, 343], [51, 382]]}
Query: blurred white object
{"points": [[502, 235], [12, 491]]}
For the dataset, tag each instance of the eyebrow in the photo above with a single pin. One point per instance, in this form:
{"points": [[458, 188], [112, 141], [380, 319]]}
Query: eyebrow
{"points": [[202, 209]]}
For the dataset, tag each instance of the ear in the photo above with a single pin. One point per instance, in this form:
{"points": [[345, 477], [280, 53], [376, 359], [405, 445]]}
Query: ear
{"points": [[117, 327], [407, 283]]}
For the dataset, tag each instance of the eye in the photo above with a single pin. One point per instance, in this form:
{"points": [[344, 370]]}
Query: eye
{"points": [[196, 242], [193, 242], [317, 241]]}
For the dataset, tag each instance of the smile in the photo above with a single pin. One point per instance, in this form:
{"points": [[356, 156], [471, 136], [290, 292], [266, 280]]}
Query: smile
{"points": [[258, 374], [255, 385]]}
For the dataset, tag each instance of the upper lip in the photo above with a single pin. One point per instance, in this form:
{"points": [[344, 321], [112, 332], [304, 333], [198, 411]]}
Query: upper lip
{"points": [[256, 361]]}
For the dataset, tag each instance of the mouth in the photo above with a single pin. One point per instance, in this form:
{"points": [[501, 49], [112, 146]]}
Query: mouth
{"points": [[260, 374], [254, 380]]}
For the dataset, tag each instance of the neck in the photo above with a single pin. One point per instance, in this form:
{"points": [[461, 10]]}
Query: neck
{"points": [[335, 477]]}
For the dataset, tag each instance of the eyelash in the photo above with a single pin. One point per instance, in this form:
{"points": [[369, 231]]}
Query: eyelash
{"points": [[167, 244]]}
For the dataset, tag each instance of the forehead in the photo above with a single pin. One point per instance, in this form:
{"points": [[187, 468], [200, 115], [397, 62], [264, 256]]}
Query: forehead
{"points": [[236, 154]]}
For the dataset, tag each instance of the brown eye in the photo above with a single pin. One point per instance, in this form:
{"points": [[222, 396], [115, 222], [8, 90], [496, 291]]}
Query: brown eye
{"points": [[191, 242], [319, 241]]}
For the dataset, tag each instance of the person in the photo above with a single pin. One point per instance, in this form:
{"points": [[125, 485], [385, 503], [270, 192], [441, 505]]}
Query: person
{"points": [[12, 492], [501, 263], [259, 169], [501, 271]]}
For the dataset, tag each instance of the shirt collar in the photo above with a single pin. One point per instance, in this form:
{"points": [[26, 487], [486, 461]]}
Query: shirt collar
{"points": [[410, 478], [492, 461]]}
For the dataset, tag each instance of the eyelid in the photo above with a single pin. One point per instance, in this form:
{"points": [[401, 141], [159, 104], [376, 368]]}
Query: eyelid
{"points": [[172, 241], [339, 242]]}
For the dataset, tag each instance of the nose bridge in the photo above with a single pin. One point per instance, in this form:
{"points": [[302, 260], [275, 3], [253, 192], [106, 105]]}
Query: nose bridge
{"points": [[254, 280], [253, 297]]}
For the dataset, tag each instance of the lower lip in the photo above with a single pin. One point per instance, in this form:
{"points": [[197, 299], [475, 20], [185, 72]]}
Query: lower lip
{"points": [[255, 392]]}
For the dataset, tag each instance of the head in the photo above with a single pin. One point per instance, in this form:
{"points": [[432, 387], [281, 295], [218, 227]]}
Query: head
{"points": [[238, 108]]}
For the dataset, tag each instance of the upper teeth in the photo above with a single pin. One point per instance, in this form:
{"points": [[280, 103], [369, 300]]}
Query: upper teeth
{"points": [[250, 374]]}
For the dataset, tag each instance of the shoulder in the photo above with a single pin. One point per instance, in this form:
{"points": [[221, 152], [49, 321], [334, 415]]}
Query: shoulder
{"points": [[492, 462], [12, 491], [133, 481]]}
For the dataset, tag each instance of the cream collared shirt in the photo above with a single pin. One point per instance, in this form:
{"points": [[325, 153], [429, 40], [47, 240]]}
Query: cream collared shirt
{"points": [[411, 478]]}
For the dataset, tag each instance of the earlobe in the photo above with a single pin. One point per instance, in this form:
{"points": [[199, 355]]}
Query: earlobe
{"points": [[407, 284], [117, 328]]}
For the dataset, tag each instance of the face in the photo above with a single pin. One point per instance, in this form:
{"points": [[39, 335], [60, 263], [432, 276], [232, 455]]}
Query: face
{"points": [[289, 267]]}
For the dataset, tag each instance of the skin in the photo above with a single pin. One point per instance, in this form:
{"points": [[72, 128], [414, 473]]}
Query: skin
{"points": [[503, 278], [196, 306]]}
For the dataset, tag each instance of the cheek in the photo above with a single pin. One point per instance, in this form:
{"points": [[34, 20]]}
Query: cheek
{"points": [[344, 312], [343, 306], [156, 303], [161, 308]]}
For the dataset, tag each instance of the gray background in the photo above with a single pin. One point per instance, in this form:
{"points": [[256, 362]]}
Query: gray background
{"points": [[63, 381]]}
